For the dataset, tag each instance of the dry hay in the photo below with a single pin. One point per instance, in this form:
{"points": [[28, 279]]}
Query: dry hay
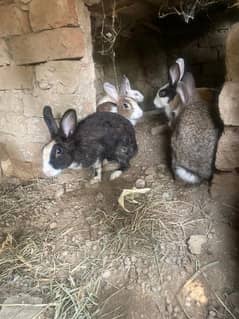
{"points": [[153, 227]]}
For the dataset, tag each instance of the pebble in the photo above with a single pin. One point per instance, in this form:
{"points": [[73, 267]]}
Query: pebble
{"points": [[99, 197], [212, 314], [140, 183], [195, 243], [53, 225], [210, 236], [133, 259], [149, 179], [59, 193], [106, 274], [167, 196]]}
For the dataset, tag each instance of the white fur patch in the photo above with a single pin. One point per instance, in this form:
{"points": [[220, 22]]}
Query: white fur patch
{"points": [[161, 102], [114, 109], [115, 174], [136, 95], [186, 175], [75, 165], [137, 111], [95, 180], [105, 99], [47, 168]]}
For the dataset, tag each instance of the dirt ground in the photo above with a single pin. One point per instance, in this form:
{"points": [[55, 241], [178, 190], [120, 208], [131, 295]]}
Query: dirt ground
{"points": [[170, 253]]}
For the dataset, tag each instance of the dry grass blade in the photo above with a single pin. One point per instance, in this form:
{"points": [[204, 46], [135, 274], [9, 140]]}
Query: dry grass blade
{"points": [[131, 193]]}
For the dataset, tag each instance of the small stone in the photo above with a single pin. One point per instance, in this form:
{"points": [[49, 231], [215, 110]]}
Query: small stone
{"points": [[167, 196], [99, 197], [159, 129], [195, 243], [133, 259], [59, 193], [212, 314], [53, 225], [176, 309], [149, 179], [210, 236], [140, 183], [106, 274]]}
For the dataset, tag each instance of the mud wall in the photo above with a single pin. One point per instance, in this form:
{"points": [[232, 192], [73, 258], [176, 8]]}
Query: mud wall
{"points": [[45, 58]]}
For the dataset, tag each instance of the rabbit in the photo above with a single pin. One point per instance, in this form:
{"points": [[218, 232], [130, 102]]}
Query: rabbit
{"points": [[168, 92], [126, 90], [125, 102], [100, 136], [194, 136]]}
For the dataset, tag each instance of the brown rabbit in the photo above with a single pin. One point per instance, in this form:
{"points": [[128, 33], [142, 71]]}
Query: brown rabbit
{"points": [[125, 102]]}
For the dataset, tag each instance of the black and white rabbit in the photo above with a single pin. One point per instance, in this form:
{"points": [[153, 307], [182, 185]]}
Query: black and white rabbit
{"points": [[125, 102], [194, 137], [168, 92], [100, 136]]}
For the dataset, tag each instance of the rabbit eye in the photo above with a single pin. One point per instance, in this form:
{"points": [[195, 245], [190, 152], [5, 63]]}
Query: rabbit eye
{"points": [[59, 151], [163, 93], [126, 106]]}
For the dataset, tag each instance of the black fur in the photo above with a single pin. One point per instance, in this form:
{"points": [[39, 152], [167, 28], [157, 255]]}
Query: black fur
{"points": [[50, 121], [169, 91], [101, 135]]}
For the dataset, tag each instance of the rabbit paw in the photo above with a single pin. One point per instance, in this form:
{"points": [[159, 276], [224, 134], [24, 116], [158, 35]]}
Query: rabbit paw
{"points": [[95, 180], [115, 175]]}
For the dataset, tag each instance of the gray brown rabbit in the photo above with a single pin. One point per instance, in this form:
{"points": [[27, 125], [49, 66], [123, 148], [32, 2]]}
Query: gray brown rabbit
{"points": [[194, 137]]}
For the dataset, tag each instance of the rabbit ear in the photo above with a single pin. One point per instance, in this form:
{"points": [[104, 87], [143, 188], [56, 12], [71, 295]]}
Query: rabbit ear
{"points": [[174, 74], [181, 64], [189, 82], [111, 91], [125, 86], [68, 122], [183, 93], [50, 121], [126, 90]]}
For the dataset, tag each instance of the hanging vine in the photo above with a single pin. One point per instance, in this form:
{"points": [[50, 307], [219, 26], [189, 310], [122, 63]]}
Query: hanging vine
{"points": [[188, 8]]}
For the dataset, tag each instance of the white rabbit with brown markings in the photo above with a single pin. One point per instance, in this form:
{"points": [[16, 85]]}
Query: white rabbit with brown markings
{"points": [[194, 137], [125, 102]]}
